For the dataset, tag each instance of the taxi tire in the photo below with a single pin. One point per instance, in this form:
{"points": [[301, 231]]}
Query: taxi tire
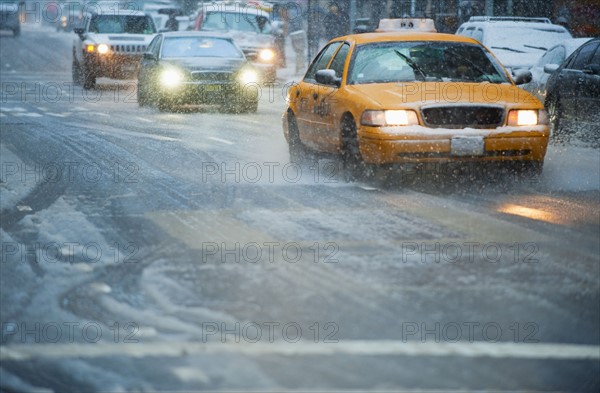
{"points": [[298, 151], [530, 169], [353, 164]]}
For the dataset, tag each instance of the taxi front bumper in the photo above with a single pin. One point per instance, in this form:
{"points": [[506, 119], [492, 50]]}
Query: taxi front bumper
{"points": [[417, 144]]}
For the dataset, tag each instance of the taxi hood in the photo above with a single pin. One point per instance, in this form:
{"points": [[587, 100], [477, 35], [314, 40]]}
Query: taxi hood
{"points": [[400, 95]]}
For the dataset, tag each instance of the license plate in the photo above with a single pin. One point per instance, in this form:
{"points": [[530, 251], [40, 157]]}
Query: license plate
{"points": [[467, 146], [212, 88]]}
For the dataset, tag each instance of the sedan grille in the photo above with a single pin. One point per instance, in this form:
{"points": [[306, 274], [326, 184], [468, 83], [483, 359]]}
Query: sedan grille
{"points": [[212, 76], [463, 116], [128, 49]]}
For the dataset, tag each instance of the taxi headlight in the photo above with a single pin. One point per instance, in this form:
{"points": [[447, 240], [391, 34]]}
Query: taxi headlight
{"points": [[389, 118], [266, 54], [102, 49], [524, 117], [248, 76], [171, 78]]}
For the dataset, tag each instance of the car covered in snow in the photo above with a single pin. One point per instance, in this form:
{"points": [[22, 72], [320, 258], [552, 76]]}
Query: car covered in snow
{"points": [[195, 68], [516, 41], [383, 100], [110, 43]]}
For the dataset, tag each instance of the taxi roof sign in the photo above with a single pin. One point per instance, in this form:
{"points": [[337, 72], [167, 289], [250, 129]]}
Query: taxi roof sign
{"points": [[422, 25]]}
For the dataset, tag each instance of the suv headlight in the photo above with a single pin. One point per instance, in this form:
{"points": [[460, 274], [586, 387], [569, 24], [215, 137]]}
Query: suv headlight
{"points": [[400, 117], [527, 117], [102, 49]]}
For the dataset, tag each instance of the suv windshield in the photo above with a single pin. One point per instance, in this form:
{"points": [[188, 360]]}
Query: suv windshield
{"points": [[236, 21], [118, 24], [424, 61], [530, 39], [199, 47]]}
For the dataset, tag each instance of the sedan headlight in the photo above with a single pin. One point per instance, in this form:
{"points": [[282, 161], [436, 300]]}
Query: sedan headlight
{"points": [[171, 78], [527, 117], [248, 76], [389, 118], [266, 55]]}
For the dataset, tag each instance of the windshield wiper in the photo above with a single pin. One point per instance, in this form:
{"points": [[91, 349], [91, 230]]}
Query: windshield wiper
{"points": [[412, 64], [478, 68], [535, 47], [506, 48]]}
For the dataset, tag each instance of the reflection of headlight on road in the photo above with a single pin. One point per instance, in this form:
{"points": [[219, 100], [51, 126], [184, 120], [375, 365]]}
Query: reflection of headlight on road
{"points": [[248, 76], [266, 55], [102, 49], [171, 78]]}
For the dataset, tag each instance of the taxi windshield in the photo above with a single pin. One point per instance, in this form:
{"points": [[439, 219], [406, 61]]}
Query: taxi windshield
{"points": [[424, 61]]}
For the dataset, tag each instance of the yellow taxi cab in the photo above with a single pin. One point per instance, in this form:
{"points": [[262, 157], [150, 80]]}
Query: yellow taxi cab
{"points": [[383, 99]]}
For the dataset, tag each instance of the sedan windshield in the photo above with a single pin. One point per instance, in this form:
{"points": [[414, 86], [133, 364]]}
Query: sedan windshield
{"points": [[118, 24], [199, 47], [424, 61]]}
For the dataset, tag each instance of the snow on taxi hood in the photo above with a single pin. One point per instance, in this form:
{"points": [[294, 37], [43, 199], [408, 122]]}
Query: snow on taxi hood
{"points": [[400, 95], [121, 39]]}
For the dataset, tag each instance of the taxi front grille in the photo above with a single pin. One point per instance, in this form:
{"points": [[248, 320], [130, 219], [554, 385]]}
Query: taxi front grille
{"points": [[212, 76], [463, 116], [128, 49]]}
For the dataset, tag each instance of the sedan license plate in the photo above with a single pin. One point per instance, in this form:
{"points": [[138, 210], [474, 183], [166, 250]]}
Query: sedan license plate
{"points": [[212, 88], [467, 146]]}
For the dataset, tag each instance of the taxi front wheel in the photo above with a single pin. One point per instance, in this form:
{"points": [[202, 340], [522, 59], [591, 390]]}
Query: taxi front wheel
{"points": [[352, 161]]}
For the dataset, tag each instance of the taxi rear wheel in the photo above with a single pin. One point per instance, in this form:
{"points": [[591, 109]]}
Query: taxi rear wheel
{"points": [[298, 151]]}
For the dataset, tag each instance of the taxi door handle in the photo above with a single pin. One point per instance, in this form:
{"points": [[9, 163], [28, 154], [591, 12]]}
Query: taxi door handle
{"points": [[315, 96], [297, 93]]}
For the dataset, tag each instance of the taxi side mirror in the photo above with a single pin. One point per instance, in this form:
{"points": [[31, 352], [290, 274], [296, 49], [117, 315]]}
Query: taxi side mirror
{"points": [[523, 77], [328, 77]]}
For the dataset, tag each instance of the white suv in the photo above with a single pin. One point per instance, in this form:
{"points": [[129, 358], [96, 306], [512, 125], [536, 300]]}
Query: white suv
{"points": [[110, 44], [517, 42]]}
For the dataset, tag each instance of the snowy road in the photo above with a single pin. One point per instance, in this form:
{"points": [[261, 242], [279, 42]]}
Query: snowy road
{"points": [[147, 251]]}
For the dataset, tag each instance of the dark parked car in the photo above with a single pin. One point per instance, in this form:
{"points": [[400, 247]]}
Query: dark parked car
{"points": [[9, 16], [573, 98], [197, 68]]}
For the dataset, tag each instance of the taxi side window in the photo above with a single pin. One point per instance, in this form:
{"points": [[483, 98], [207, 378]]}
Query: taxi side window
{"points": [[321, 61], [340, 60]]}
